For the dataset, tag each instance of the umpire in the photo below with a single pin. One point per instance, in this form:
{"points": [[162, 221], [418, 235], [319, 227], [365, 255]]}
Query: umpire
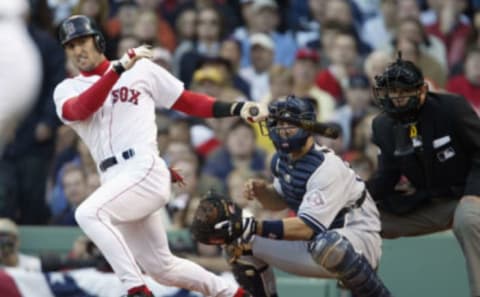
{"points": [[433, 140]]}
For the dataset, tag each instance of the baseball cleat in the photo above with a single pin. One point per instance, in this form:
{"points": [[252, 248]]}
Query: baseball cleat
{"points": [[140, 294], [242, 293]]}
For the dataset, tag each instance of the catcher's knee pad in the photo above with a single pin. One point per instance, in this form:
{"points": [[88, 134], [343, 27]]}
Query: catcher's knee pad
{"points": [[258, 281], [335, 253]]}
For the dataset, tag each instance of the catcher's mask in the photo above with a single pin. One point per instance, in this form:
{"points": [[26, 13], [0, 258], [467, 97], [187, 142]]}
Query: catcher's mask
{"points": [[292, 107], [215, 208], [402, 82], [77, 26]]}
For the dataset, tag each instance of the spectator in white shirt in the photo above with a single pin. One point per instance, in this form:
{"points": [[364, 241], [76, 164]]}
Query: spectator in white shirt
{"points": [[262, 52], [379, 30], [10, 255]]}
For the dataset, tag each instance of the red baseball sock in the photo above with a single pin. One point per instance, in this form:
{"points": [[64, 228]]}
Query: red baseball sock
{"points": [[142, 288], [240, 292]]}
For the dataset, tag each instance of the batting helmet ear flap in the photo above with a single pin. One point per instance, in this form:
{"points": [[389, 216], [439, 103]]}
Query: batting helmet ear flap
{"points": [[100, 43]]}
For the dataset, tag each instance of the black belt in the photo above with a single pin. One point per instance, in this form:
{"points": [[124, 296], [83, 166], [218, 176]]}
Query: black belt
{"points": [[112, 161], [360, 200], [339, 220]]}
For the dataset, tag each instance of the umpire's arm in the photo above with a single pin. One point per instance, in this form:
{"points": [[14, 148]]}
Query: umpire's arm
{"points": [[467, 127], [384, 179]]}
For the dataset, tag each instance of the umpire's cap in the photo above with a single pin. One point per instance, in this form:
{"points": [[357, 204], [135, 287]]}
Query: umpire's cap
{"points": [[77, 26]]}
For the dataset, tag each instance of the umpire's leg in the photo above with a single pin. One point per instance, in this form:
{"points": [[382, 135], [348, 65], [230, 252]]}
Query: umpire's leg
{"points": [[466, 227], [434, 217]]}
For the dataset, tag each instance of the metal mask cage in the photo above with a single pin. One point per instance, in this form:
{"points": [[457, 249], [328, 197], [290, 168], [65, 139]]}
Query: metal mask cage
{"points": [[383, 93], [266, 127], [275, 117], [397, 83], [404, 113], [295, 109]]}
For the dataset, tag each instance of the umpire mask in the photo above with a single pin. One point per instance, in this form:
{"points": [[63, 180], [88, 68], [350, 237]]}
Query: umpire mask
{"points": [[398, 90]]}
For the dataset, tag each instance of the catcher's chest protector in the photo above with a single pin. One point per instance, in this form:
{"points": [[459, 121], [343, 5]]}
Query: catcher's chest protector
{"points": [[293, 176]]}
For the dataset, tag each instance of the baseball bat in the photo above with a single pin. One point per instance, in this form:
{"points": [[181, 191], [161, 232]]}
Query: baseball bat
{"points": [[323, 129]]}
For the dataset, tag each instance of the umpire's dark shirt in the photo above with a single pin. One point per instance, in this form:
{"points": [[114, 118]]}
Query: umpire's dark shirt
{"points": [[446, 119]]}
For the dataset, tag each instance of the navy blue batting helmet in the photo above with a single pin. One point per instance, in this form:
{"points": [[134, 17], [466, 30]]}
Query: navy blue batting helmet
{"points": [[295, 108], [79, 26]]}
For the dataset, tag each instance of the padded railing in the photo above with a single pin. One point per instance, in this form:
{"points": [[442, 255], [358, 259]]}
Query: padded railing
{"points": [[415, 267]]}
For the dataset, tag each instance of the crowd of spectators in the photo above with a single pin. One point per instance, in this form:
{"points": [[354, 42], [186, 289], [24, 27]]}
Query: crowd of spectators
{"points": [[327, 51]]}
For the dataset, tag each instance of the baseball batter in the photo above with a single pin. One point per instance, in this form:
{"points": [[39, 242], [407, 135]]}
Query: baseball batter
{"points": [[111, 105], [19, 78], [336, 231]]}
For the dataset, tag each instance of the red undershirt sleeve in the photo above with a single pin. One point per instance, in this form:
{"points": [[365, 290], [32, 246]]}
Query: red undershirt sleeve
{"points": [[88, 102], [195, 104]]}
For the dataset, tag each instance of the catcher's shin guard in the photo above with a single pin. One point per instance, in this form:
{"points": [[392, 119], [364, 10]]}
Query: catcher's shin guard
{"points": [[257, 280], [336, 254]]}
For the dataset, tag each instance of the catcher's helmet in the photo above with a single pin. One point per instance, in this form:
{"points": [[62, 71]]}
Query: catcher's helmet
{"points": [[79, 26], [292, 107], [400, 76]]}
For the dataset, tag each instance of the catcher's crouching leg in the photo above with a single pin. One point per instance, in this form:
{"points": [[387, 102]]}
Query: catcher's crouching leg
{"points": [[336, 254], [253, 275]]}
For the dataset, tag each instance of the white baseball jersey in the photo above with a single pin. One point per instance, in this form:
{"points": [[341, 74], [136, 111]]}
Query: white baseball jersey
{"points": [[127, 117], [14, 9], [123, 216], [20, 67]]}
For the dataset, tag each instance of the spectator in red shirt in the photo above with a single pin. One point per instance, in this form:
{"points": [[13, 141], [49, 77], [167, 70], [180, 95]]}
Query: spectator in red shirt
{"points": [[344, 57], [468, 83], [451, 30]]}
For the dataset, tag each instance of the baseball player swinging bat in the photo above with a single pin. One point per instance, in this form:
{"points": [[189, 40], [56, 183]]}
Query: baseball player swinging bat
{"points": [[323, 129]]}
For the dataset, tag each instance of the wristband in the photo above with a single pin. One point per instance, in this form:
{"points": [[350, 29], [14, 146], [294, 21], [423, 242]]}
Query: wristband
{"points": [[226, 109], [118, 68], [272, 229]]}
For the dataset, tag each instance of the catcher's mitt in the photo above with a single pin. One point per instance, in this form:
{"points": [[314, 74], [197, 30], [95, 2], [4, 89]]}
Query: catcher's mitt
{"points": [[213, 209]]}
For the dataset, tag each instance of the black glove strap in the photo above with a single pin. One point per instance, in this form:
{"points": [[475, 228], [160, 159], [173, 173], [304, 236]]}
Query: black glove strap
{"points": [[237, 108]]}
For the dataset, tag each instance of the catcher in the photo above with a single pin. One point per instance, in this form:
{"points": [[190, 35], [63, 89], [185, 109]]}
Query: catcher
{"points": [[335, 233]]}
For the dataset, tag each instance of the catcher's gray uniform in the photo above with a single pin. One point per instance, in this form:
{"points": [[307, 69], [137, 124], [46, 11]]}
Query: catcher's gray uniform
{"points": [[327, 195], [332, 190]]}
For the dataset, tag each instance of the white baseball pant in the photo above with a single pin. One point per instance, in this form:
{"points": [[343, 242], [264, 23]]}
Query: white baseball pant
{"points": [[122, 219]]}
